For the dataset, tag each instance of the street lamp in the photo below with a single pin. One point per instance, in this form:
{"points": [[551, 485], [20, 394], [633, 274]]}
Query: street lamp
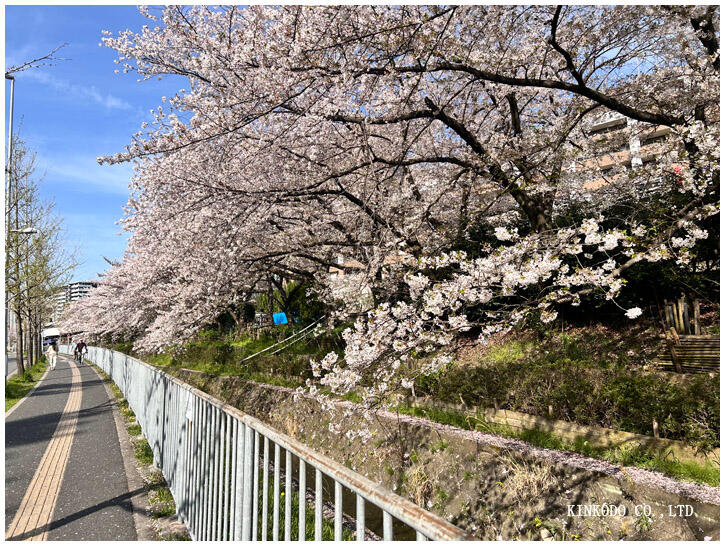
{"points": [[9, 196]]}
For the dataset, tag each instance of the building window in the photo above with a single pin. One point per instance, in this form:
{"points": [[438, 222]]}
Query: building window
{"points": [[653, 139], [620, 124]]}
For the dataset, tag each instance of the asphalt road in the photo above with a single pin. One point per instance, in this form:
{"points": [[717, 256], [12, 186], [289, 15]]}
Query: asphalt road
{"points": [[92, 502], [12, 365]]}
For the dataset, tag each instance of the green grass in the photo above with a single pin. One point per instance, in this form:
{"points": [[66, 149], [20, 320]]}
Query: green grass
{"points": [[160, 495], [439, 416], [509, 352], [18, 386], [162, 359], [142, 451], [328, 528], [637, 456], [269, 379], [221, 355], [251, 345]]}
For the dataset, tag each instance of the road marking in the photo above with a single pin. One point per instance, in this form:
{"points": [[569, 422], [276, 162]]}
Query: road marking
{"points": [[34, 515]]}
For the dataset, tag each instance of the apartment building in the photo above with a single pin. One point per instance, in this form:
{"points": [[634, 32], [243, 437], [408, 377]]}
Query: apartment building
{"points": [[70, 293], [617, 145]]}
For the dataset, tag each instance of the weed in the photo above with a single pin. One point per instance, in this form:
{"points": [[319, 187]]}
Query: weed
{"points": [[643, 523], [527, 481], [420, 485], [143, 452], [160, 495], [441, 496], [328, 529]]}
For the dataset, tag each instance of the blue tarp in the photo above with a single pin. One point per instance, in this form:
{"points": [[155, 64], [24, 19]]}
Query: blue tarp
{"points": [[279, 318]]}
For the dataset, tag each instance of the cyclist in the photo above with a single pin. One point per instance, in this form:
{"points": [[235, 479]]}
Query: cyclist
{"points": [[80, 351]]}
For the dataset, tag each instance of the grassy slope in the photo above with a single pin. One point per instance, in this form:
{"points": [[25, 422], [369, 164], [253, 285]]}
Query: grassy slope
{"points": [[594, 376], [591, 376], [289, 368]]}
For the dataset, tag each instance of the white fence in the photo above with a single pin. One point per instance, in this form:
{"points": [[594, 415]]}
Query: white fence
{"points": [[221, 463]]}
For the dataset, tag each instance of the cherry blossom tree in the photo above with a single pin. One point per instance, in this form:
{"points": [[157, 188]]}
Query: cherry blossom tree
{"points": [[446, 150]]}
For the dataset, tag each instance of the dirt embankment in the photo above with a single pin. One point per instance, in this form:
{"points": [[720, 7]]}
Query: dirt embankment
{"points": [[491, 486]]}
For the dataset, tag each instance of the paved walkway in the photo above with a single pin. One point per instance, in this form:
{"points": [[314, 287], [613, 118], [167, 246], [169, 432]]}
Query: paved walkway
{"points": [[64, 473]]}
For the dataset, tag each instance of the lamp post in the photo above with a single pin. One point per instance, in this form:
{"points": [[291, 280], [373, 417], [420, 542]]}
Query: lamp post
{"points": [[8, 193]]}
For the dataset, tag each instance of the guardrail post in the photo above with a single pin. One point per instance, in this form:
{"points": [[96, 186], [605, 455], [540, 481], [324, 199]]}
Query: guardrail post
{"points": [[302, 514], [318, 505], [288, 496], [239, 489], [360, 517], [255, 488], [248, 483]]}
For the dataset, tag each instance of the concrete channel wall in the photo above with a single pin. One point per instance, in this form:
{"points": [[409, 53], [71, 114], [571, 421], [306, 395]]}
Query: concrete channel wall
{"points": [[490, 486]]}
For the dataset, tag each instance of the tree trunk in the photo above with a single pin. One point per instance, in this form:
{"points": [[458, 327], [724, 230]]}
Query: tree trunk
{"points": [[538, 211], [270, 302], [31, 345], [19, 352], [39, 341]]}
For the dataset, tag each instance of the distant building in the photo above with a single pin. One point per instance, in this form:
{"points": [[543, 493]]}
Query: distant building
{"points": [[349, 264], [621, 142], [70, 293]]}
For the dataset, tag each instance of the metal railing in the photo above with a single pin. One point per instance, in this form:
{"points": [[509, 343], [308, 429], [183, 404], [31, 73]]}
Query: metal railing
{"points": [[224, 468]]}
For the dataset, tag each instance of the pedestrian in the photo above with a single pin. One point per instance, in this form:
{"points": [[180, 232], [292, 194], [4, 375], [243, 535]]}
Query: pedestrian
{"points": [[52, 354]]}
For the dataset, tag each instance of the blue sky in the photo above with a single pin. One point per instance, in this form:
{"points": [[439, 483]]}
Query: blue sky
{"points": [[75, 111]]}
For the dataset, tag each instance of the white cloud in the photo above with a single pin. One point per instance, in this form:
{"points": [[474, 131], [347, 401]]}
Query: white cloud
{"points": [[80, 91], [20, 56], [83, 171]]}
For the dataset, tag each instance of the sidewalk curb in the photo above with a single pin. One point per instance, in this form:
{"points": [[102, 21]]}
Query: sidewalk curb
{"points": [[139, 502], [31, 391]]}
